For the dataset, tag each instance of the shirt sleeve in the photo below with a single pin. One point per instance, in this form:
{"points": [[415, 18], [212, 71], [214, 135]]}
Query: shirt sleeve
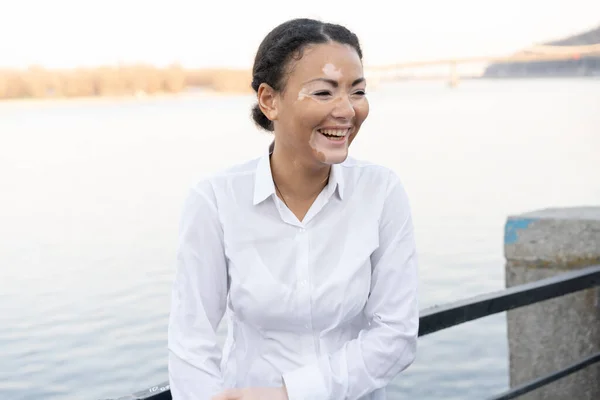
{"points": [[198, 300], [388, 345]]}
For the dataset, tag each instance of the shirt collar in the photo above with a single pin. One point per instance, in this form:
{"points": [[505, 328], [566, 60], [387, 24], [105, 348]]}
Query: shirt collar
{"points": [[336, 179], [263, 180]]}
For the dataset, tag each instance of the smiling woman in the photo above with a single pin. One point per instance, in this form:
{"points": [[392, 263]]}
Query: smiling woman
{"points": [[310, 252]]}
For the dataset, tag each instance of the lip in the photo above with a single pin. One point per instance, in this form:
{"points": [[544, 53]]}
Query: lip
{"points": [[339, 142], [335, 127], [347, 128]]}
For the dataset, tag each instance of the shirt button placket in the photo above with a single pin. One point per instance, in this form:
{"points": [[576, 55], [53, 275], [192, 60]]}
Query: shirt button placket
{"points": [[304, 288]]}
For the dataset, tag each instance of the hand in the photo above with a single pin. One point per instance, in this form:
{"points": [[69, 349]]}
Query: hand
{"points": [[255, 393]]}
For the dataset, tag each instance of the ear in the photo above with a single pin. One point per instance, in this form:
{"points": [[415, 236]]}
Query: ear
{"points": [[267, 101]]}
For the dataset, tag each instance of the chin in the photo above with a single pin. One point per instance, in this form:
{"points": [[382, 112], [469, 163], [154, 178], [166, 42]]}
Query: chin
{"points": [[330, 145], [333, 157]]}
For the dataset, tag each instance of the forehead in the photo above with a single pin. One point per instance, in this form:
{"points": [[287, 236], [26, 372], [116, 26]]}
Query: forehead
{"points": [[322, 60]]}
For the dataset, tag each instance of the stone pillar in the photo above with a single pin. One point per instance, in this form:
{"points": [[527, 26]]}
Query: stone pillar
{"points": [[548, 336]]}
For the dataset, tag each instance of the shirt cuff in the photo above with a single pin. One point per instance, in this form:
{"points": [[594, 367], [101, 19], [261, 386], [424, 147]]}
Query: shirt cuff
{"points": [[305, 383]]}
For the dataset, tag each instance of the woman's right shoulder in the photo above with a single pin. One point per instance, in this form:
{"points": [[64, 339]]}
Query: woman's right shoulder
{"points": [[224, 179]]}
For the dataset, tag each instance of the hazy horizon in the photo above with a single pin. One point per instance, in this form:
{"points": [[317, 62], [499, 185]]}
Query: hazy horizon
{"points": [[68, 34]]}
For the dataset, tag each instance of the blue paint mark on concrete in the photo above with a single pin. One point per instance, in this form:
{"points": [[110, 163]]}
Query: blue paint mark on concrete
{"points": [[514, 225]]}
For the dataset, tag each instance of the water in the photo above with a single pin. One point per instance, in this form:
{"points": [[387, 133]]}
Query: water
{"points": [[92, 190]]}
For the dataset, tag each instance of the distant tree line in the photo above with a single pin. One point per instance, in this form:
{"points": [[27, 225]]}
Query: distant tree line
{"points": [[38, 82]]}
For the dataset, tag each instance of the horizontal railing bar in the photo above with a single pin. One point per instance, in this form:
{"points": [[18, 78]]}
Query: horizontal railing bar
{"points": [[437, 318], [158, 392], [528, 387]]}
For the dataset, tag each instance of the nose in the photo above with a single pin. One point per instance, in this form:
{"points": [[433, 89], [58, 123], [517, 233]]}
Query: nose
{"points": [[344, 108]]}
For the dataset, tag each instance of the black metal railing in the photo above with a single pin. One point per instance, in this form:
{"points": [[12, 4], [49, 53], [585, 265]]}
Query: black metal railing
{"points": [[437, 318]]}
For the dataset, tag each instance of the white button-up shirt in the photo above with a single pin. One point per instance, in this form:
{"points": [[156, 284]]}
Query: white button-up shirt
{"points": [[327, 305]]}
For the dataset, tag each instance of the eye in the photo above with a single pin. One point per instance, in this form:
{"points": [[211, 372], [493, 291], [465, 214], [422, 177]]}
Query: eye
{"points": [[322, 93], [360, 92]]}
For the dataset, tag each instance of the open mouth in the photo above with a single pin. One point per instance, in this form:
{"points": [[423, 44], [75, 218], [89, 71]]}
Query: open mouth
{"points": [[334, 134]]}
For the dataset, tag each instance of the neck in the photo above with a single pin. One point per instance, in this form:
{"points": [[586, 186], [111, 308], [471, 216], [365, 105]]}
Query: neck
{"points": [[297, 178]]}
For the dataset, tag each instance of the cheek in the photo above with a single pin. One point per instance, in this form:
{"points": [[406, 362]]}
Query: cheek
{"points": [[314, 112], [363, 108]]}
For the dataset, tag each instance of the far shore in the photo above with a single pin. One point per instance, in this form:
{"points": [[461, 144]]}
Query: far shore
{"points": [[118, 82]]}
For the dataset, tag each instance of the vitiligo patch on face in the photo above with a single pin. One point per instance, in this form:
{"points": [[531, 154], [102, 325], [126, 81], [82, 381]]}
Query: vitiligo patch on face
{"points": [[325, 151], [302, 94], [312, 142], [332, 72]]}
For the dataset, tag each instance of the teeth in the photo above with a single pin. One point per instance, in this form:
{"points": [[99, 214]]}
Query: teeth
{"points": [[334, 132]]}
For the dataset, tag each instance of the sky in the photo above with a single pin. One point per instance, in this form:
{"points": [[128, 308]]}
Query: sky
{"points": [[198, 33]]}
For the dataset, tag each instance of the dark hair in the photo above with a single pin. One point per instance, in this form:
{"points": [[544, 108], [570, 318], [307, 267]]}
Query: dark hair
{"points": [[284, 42]]}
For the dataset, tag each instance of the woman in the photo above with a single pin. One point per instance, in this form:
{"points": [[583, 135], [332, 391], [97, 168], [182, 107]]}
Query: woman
{"points": [[310, 252]]}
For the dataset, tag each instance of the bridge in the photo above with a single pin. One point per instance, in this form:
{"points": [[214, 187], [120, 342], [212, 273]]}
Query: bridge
{"points": [[406, 70]]}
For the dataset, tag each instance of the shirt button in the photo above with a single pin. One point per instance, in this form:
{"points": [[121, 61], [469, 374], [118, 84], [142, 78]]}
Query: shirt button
{"points": [[303, 283]]}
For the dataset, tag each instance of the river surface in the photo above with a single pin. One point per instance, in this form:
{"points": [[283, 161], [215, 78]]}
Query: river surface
{"points": [[91, 193]]}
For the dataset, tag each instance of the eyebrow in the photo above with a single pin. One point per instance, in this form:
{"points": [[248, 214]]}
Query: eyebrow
{"points": [[333, 82]]}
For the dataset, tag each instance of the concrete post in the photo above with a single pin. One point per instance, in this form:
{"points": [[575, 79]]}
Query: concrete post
{"points": [[548, 336]]}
